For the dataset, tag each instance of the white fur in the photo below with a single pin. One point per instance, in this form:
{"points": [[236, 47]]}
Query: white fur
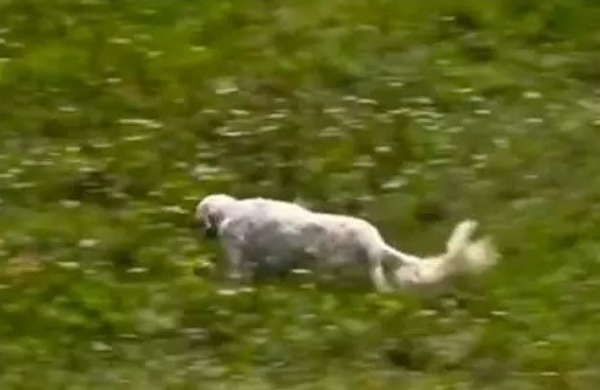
{"points": [[265, 235]]}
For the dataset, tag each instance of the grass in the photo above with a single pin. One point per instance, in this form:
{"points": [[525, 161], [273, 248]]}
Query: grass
{"points": [[116, 117]]}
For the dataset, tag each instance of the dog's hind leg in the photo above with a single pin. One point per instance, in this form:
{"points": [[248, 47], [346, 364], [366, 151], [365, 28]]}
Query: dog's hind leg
{"points": [[378, 278]]}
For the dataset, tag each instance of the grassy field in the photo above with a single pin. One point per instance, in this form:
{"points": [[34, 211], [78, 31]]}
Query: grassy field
{"points": [[117, 116]]}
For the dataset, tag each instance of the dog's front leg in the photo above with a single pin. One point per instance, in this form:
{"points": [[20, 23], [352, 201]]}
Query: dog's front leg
{"points": [[238, 270]]}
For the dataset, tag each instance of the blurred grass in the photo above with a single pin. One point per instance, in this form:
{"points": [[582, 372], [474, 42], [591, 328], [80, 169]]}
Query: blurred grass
{"points": [[117, 116]]}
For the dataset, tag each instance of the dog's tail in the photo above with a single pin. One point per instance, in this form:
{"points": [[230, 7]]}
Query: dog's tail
{"points": [[465, 255]]}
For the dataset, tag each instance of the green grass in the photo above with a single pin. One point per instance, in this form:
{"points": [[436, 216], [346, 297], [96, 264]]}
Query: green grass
{"points": [[117, 116]]}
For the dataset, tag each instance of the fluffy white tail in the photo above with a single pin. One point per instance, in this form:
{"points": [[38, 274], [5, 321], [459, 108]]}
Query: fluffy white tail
{"points": [[463, 256]]}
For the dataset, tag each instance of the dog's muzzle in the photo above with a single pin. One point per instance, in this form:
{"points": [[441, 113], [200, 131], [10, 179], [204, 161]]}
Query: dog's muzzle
{"points": [[209, 231], [206, 230]]}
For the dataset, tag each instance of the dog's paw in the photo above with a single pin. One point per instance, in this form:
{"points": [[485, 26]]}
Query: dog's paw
{"points": [[203, 269]]}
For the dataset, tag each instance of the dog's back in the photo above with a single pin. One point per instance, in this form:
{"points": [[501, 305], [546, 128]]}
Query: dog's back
{"points": [[284, 231]]}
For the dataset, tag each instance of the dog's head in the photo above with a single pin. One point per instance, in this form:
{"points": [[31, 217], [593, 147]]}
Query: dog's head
{"points": [[210, 212]]}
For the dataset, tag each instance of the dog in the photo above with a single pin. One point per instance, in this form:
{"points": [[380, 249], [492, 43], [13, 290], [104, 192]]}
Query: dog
{"points": [[273, 237]]}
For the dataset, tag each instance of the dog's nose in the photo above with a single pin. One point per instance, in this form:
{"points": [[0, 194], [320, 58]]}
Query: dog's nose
{"points": [[205, 230]]}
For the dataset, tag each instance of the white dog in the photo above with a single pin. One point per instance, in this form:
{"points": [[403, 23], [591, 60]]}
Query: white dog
{"points": [[270, 236]]}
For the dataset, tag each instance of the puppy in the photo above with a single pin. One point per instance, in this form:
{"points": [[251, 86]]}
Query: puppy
{"points": [[266, 236]]}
